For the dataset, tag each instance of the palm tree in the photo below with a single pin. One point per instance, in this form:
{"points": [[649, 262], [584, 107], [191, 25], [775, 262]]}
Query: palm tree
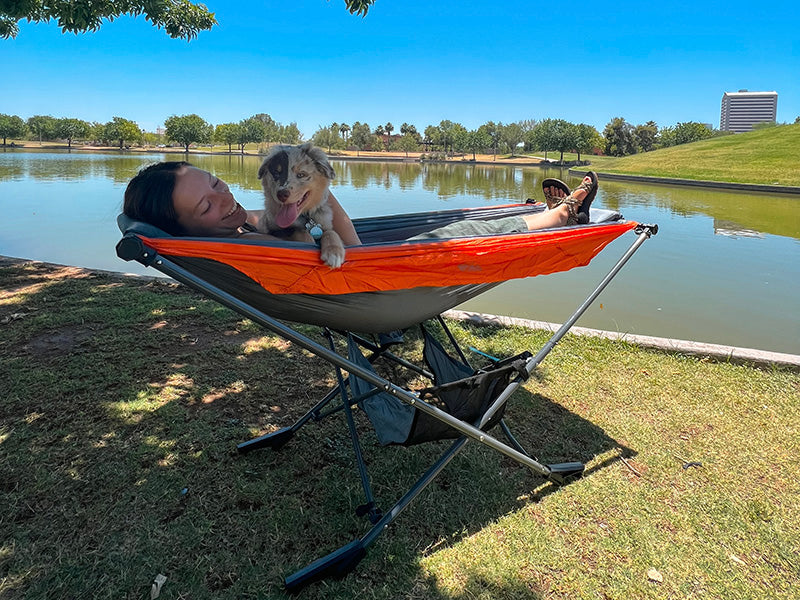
{"points": [[344, 129], [389, 129]]}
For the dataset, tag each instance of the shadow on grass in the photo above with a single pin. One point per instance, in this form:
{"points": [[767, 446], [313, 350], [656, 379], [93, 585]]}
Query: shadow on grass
{"points": [[121, 403]]}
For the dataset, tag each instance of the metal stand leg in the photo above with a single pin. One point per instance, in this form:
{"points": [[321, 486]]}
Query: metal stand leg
{"points": [[368, 508]]}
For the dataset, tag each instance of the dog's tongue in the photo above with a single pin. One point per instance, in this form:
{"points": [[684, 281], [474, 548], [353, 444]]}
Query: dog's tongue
{"points": [[287, 215]]}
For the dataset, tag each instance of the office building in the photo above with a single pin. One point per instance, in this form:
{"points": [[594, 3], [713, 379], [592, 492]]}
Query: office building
{"points": [[741, 110]]}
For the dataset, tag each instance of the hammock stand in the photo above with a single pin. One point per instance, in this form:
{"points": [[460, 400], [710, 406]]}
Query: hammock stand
{"points": [[387, 285]]}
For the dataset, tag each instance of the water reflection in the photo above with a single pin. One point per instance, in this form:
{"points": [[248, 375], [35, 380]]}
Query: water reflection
{"points": [[773, 214], [724, 269], [765, 213]]}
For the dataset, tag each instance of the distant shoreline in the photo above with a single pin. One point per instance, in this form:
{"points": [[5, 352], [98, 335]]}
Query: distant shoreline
{"points": [[364, 156], [572, 167]]}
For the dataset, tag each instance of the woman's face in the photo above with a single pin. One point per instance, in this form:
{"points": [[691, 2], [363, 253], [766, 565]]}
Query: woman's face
{"points": [[204, 205]]}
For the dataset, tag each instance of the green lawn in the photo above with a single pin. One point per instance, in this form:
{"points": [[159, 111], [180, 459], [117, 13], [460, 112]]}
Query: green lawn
{"points": [[768, 156], [122, 401]]}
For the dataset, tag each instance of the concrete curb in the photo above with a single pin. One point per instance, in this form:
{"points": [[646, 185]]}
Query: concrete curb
{"points": [[742, 187], [725, 353]]}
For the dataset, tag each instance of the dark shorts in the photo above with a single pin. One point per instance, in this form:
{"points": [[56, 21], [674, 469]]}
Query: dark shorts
{"points": [[475, 229]]}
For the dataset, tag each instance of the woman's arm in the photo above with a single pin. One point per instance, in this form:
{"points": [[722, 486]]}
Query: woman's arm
{"points": [[253, 216]]}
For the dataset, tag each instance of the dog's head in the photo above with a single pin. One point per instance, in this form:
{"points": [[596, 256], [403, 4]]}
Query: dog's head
{"points": [[295, 181]]}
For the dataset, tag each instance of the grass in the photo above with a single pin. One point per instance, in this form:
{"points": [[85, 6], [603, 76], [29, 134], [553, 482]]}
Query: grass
{"points": [[766, 156], [122, 400]]}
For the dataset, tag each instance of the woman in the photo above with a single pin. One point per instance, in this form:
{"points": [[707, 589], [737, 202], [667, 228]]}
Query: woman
{"points": [[183, 200]]}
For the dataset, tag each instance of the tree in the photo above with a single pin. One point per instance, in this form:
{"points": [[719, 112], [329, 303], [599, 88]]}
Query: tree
{"points": [[690, 131], [71, 129], [543, 136], [188, 129], [270, 127], [289, 134], [493, 131], [645, 136], [459, 136], [797, 120], [407, 143], [619, 137], [42, 126], [97, 132], [565, 137], [361, 136], [431, 136], [149, 138], [389, 129], [328, 137], [405, 128], [11, 126], [179, 18], [381, 132], [344, 129], [251, 130], [477, 140], [587, 138], [122, 130], [684, 133], [512, 134], [228, 133], [359, 7]]}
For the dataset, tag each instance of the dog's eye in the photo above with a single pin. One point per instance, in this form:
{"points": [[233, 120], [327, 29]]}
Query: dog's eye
{"points": [[302, 174]]}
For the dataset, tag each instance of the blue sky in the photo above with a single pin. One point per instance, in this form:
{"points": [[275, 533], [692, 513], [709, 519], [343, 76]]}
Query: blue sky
{"points": [[311, 62]]}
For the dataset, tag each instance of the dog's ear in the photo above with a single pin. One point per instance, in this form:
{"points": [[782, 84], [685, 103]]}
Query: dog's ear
{"points": [[320, 160], [277, 165]]}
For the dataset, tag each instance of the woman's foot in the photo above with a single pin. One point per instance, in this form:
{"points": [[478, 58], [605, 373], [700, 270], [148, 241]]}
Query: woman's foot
{"points": [[579, 201], [554, 190]]}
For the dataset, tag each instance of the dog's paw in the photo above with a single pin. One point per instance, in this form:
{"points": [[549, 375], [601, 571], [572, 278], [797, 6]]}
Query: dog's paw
{"points": [[331, 249], [333, 257]]}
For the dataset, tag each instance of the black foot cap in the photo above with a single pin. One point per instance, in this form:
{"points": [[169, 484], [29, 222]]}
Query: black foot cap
{"points": [[336, 565], [563, 473], [273, 440]]}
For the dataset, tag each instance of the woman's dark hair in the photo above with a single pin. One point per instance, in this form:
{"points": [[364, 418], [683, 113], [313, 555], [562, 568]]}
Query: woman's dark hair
{"points": [[148, 196]]}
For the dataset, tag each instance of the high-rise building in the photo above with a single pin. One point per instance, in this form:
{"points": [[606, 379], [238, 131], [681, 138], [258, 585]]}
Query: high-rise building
{"points": [[741, 110]]}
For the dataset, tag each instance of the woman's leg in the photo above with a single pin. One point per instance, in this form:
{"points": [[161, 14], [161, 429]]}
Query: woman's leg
{"points": [[549, 218], [558, 216], [555, 217]]}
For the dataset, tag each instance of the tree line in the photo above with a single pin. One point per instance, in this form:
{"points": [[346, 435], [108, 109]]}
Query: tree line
{"points": [[185, 130], [179, 19], [619, 138]]}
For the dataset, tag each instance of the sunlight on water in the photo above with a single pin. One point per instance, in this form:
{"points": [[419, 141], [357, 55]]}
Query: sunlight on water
{"points": [[724, 268]]}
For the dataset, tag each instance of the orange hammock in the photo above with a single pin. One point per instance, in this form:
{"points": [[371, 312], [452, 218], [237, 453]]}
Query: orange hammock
{"points": [[284, 269]]}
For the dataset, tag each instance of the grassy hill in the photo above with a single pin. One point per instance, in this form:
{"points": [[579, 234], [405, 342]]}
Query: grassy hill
{"points": [[768, 156]]}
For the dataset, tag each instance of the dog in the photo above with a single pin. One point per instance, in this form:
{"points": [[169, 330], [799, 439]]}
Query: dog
{"points": [[296, 181]]}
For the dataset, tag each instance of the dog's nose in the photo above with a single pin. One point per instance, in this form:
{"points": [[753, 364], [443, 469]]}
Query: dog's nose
{"points": [[283, 195]]}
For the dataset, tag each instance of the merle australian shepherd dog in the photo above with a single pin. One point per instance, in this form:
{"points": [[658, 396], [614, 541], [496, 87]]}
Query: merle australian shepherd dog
{"points": [[296, 183]]}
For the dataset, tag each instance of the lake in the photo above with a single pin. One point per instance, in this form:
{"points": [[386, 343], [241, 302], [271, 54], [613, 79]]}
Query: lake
{"points": [[724, 268]]}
